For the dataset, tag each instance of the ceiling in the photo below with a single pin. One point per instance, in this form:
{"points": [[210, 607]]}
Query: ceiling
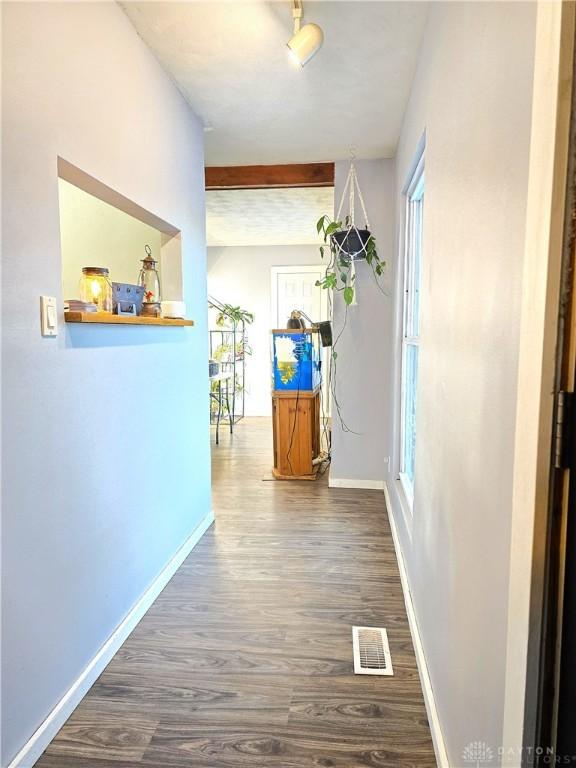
{"points": [[266, 216], [230, 61]]}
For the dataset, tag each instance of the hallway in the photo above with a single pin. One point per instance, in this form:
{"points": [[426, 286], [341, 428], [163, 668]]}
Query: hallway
{"points": [[406, 170], [245, 659]]}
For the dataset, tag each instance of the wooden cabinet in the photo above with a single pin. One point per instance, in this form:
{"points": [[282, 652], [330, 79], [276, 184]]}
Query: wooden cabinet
{"points": [[296, 428]]}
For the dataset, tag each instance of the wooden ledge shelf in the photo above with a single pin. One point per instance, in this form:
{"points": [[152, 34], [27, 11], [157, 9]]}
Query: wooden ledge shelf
{"points": [[106, 318]]}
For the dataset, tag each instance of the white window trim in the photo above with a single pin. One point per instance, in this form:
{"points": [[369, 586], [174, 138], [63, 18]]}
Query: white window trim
{"points": [[407, 489], [415, 179]]}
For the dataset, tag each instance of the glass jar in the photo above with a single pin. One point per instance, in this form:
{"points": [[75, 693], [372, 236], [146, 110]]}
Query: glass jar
{"points": [[149, 279], [95, 287]]}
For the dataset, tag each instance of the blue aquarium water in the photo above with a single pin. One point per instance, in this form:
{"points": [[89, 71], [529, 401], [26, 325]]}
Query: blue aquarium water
{"points": [[296, 360]]}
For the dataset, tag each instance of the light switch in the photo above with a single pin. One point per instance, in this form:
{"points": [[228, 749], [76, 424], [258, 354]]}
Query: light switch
{"points": [[49, 319]]}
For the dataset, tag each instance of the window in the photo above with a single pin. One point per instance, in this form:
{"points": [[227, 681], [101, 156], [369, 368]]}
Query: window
{"points": [[411, 325]]}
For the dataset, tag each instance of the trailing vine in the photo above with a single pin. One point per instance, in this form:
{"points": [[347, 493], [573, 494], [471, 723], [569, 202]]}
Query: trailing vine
{"points": [[340, 276]]}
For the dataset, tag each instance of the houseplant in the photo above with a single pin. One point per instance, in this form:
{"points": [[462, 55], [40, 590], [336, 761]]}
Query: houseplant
{"points": [[347, 244], [234, 315], [233, 347]]}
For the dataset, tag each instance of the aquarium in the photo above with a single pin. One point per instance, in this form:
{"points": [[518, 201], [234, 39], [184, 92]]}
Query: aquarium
{"points": [[296, 360]]}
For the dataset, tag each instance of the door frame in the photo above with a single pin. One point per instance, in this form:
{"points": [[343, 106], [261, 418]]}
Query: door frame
{"points": [[541, 290], [326, 312]]}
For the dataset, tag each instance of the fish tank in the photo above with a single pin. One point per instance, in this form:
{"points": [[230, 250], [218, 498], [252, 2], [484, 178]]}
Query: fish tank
{"points": [[296, 360]]}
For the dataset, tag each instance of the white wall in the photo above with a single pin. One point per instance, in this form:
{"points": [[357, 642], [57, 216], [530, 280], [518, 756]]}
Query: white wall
{"points": [[105, 429], [241, 276], [472, 96], [365, 348]]}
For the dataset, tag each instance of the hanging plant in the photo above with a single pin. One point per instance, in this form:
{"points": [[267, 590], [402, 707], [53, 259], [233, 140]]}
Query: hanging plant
{"points": [[347, 244]]}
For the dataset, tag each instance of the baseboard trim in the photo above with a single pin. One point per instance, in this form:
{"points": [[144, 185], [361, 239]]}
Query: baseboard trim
{"points": [[368, 485], [429, 700], [42, 737]]}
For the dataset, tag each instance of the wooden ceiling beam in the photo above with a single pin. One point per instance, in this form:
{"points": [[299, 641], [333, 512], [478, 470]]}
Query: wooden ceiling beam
{"points": [[270, 176]]}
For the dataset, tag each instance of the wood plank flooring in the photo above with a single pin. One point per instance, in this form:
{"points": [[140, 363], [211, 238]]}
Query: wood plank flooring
{"points": [[245, 659]]}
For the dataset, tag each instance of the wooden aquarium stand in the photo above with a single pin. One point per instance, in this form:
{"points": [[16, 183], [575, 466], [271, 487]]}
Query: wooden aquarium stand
{"points": [[296, 430]]}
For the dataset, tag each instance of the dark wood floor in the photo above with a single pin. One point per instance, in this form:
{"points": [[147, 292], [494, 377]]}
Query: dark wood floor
{"points": [[245, 659]]}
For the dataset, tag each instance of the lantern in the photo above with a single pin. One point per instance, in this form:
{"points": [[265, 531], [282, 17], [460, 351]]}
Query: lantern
{"points": [[149, 279]]}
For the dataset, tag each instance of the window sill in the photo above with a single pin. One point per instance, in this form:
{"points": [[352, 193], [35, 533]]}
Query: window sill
{"points": [[406, 492]]}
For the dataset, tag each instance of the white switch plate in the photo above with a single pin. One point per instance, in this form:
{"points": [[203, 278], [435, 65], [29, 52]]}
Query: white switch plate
{"points": [[48, 316]]}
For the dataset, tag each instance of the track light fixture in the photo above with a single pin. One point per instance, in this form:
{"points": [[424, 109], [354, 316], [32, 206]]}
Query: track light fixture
{"points": [[307, 40]]}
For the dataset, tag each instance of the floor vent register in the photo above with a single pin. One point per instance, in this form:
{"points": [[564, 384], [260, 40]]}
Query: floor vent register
{"points": [[371, 651]]}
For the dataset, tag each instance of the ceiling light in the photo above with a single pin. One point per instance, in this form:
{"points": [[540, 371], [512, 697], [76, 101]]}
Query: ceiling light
{"points": [[307, 40]]}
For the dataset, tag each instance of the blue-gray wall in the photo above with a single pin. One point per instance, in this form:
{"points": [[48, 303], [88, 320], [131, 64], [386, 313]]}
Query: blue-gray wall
{"points": [[105, 433], [365, 347]]}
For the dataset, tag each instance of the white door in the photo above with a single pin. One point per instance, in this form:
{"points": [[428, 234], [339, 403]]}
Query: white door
{"points": [[295, 288]]}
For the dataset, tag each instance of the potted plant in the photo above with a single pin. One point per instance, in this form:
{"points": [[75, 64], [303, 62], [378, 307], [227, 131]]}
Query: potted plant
{"points": [[233, 348], [235, 315], [347, 244]]}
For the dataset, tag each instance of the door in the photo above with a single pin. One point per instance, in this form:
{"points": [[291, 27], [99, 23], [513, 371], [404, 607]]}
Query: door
{"points": [[564, 509], [295, 288], [556, 709], [566, 715]]}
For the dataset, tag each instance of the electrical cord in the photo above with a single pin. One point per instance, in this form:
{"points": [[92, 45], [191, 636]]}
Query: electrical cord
{"points": [[328, 458], [323, 414], [295, 420]]}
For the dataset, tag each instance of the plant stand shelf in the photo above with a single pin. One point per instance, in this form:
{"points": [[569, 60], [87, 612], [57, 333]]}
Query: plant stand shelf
{"points": [[228, 347], [106, 318]]}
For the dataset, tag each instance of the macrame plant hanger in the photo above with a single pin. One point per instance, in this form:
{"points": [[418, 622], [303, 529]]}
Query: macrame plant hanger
{"points": [[351, 187]]}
